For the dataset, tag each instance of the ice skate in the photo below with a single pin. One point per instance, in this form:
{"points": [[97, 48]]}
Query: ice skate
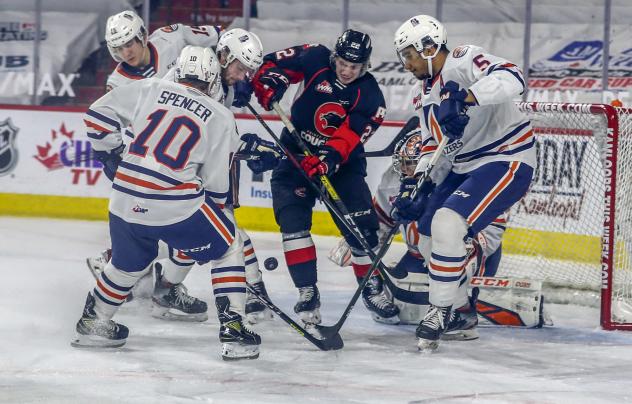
{"points": [[462, 325], [93, 332], [382, 309], [308, 305], [172, 302], [432, 328], [238, 342], [256, 311]]}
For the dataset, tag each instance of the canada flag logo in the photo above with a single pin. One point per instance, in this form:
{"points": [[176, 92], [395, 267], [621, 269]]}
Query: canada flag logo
{"points": [[61, 142]]}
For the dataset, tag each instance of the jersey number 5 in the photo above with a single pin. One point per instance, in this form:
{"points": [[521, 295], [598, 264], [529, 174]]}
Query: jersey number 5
{"points": [[179, 126]]}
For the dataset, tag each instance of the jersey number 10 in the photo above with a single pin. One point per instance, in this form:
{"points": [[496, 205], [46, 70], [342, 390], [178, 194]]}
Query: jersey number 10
{"points": [[139, 145]]}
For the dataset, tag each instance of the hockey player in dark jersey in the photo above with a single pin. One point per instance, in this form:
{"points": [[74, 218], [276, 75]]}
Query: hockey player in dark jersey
{"points": [[339, 109]]}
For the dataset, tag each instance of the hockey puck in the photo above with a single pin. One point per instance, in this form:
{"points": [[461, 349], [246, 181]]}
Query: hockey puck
{"points": [[271, 263]]}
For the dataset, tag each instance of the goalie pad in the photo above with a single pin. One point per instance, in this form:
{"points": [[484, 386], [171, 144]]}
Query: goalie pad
{"points": [[501, 301], [510, 302]]}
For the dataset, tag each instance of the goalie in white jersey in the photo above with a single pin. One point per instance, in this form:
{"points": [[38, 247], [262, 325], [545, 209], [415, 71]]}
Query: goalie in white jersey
{"points": [[170, 185], [467, 96]]}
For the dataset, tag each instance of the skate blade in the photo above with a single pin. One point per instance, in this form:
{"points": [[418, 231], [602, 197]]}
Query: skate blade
{"points": [[310, 317], [95, 267], [259, 316], [170, 314], [427, 346], [234, 351], [94, 341], [460, 335], [385, 320]]}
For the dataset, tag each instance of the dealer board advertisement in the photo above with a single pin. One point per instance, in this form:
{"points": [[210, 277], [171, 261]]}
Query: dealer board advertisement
{"points": [[46, 152]]}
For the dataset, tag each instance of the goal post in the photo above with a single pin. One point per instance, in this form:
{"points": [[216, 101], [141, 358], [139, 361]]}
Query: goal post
{"points": [[573, 229]]}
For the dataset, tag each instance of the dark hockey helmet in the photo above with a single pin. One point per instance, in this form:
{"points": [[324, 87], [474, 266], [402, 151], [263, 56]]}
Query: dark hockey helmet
{"points": [[407, 153], [354, 46]]}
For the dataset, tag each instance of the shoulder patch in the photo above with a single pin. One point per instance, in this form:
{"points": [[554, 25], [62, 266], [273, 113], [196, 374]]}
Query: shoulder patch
{"points": [[170, 28], [460, 51]]}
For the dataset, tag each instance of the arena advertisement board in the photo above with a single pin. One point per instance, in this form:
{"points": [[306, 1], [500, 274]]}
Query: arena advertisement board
{"points": [[63, 48], [55, 158], [567, 187]]}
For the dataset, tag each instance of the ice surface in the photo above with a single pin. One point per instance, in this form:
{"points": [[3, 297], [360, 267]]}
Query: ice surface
{"points": [[46, 281]]}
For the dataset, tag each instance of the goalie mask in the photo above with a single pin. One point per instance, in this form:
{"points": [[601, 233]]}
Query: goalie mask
{"points": [[407, 154], [239, 44], [200, 64], [421, 32], [122, 28]]}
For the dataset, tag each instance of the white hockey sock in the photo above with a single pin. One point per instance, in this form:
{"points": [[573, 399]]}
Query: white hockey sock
{"points": [[112, 289], [447, 258], [228, 276], [253, 273], [175, 273]]}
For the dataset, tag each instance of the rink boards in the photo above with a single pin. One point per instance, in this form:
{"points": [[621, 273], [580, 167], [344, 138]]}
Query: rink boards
{"points": [[53, 175]]}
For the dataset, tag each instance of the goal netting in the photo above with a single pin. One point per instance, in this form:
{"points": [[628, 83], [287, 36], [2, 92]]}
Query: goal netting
{"points": [[573, 229]]}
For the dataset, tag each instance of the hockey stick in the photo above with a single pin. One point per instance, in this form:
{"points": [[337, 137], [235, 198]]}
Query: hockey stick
{"points": [[331, 197], [332, 342], [327, 331], [411, 125]]}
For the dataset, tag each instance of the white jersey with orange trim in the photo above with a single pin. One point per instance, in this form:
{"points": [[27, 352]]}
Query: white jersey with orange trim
{"points": [[181, 152], [489, 239], [165, 45], [497, 130]]}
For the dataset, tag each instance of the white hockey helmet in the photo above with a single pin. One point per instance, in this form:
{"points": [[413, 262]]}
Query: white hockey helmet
{"points": [[201, 64], [422, 32], [242, 45], [122, 28]]}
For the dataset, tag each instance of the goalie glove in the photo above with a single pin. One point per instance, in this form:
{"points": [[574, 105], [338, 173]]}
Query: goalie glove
{"points": [[406, 209], [340, 254]]}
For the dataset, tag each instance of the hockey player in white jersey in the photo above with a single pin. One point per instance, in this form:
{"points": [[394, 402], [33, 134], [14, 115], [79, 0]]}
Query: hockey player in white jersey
{"points": [[467, 96], [240, 53], [141, 55], [170, 185]]}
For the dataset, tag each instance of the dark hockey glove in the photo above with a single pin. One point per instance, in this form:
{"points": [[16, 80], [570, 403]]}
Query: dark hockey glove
{"points": [[269, 85], [452, 115], [325, 162], [407, 209], [243, 91], [261, 155], [110, 160]]}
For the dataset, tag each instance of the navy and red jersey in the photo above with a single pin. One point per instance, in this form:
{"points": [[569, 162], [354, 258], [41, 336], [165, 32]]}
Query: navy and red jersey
{"points": [[328, 112]]}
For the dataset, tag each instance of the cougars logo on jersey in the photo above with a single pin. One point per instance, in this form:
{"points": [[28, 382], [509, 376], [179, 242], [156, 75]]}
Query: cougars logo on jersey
{"points": [[328, 117]]}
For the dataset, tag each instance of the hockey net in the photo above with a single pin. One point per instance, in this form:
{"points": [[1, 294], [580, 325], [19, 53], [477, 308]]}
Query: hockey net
{"points": [[573, 229]]}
